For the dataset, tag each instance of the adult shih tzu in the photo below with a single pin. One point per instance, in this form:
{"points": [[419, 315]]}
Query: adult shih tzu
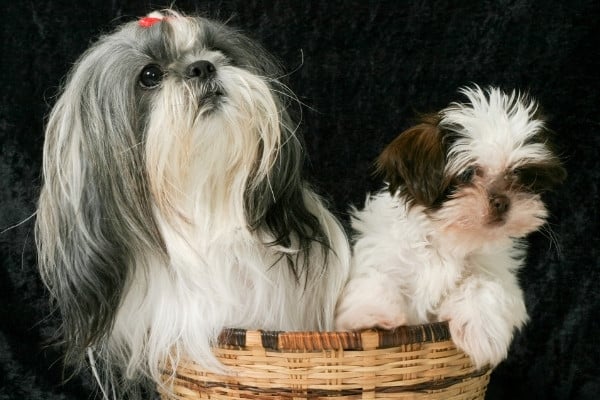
{"points": [[173, 204], [444, 240]]}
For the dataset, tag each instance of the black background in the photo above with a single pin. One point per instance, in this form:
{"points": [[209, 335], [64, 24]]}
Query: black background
{"points": [[363, 68]]}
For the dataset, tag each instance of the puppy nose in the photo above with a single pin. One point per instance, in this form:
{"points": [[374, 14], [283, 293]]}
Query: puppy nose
{"points": [[201, 69], [500, 204]]}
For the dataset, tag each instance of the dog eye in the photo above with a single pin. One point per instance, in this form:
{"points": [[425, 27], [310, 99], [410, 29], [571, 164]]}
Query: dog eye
{"points": [[469, 173], [525, 176], [466, 175], [231, 62], [151, 76], [522, 175]]}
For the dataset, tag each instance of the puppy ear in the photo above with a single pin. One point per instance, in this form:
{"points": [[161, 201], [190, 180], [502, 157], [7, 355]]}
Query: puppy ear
{"points": [[414, 163]]}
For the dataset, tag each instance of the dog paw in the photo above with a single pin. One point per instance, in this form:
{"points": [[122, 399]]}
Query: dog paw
{"points": [[484, 347], [371, 319]]}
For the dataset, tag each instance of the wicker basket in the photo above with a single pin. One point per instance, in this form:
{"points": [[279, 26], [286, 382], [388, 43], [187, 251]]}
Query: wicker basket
{"points": [[413, 362]]}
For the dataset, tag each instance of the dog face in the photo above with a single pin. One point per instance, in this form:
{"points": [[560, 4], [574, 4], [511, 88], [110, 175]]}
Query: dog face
{"points": [[478, 169], [173, 92]]}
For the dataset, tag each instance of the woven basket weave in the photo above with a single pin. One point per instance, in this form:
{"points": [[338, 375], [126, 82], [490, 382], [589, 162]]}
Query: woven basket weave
{"points": [[413, 362]]}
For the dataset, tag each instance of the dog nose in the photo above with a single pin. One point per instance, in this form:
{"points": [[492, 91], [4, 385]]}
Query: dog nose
{"points": [[201, 69], [500, 204]]}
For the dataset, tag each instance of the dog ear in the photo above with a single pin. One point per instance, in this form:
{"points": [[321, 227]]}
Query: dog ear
{"points": [[414, 163], [93, 207]]}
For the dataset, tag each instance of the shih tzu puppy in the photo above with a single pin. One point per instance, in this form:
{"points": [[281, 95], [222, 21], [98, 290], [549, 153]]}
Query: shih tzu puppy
{"points": [[444, 240], [173, 205]]}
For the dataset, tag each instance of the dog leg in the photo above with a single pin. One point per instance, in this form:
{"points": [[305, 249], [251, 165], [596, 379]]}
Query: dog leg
{"points": [[483, 315]]}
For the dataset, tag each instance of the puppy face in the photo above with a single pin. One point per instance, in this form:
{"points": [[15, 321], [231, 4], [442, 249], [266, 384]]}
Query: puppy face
{"points": [[478, 169]]}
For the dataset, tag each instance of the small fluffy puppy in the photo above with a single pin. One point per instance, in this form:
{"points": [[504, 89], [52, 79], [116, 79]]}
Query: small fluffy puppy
{"points": [[173, 204], [444, 241]]}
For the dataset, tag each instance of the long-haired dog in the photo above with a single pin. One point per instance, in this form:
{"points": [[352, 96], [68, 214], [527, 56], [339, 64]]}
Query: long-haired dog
{"points": [[444, 241], [173, 204]]}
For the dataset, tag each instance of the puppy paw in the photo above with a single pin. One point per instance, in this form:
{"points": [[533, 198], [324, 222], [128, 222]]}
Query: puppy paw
{"points": [[483, 315], [365, 319], [484, 347]]}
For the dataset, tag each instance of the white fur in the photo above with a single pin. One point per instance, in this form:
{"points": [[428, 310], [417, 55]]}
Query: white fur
{"points": [[211, 283], [496, 127]]}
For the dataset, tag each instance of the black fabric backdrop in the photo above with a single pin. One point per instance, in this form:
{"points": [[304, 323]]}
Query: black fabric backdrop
{"points": [[363, 68]]}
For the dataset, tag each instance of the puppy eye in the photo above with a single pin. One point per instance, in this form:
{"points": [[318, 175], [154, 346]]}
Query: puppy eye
{"points": [[525, 176], [151, 76], [467, 175], [521, 175]]}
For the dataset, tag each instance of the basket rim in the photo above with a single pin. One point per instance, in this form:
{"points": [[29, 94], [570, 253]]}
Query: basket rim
{"points": [[351, 340]]}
